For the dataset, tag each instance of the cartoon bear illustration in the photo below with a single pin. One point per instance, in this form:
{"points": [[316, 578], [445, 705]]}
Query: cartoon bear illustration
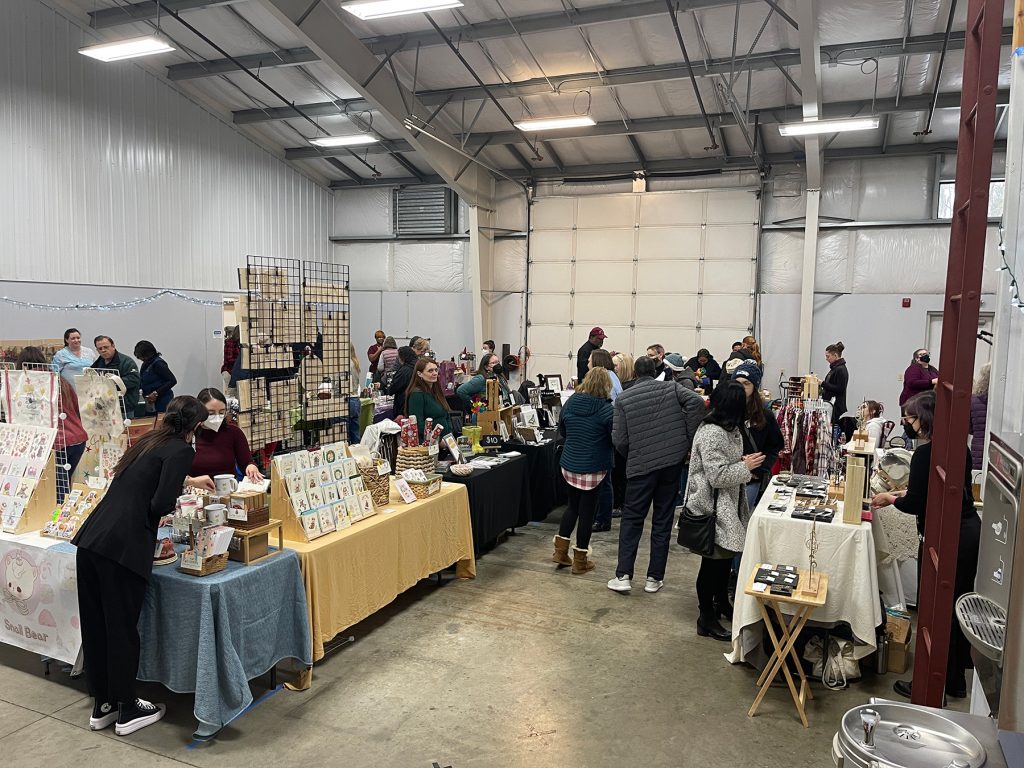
{"points": [[20, 580]]}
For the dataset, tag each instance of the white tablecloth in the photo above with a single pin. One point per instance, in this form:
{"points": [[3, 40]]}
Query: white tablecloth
{"points": [[845, 552]]}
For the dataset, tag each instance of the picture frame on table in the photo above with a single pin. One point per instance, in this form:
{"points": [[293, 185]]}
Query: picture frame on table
{"points": [[553, 382]]}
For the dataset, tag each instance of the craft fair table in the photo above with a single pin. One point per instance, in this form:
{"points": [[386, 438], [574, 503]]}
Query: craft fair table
{"points": [[548, 489], [209, 636], [351, 574], [499, 499], [801, 606], [846, 551]]}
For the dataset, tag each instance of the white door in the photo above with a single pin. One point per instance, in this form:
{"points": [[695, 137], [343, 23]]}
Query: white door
{"points": [[669, 268], [933, 339]]}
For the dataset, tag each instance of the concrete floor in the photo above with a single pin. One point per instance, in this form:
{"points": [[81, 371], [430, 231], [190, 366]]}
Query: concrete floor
{"points": [[524, 666]]}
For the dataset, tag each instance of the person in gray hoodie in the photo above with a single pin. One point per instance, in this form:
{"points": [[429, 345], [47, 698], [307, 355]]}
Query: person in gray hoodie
{"points": [[653, 427]]}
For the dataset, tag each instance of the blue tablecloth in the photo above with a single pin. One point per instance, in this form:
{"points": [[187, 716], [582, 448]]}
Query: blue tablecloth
{"points": [[211, 635]]}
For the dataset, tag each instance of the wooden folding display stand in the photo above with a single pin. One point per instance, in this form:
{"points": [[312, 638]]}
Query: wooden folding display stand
{"points": [[804, 605], [281, 509], [489, 420], [42, 503]]}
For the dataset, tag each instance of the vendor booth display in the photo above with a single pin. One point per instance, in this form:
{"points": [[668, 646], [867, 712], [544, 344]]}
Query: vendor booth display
{"points": [[28, 490]]}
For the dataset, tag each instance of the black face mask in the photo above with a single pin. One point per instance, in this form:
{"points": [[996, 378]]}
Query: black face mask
{"points": [[925, 359], [911, 431]]}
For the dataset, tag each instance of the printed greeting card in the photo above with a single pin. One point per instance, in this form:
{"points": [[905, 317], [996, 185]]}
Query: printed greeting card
{"points": [[344, 488], [355, 512], [341, 520], [338, 471], [302, 461], [330, 494], [326, 519], [316, 497]]}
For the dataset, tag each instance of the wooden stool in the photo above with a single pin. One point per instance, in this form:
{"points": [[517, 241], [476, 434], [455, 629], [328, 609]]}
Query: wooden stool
{"points": [[804, 605]]}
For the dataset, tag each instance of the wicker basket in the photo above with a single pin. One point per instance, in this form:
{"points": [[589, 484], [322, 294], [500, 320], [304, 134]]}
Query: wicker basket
{"points": [[211, 565], [257, 518], [426, 488], [377, 484], [415, 458]]}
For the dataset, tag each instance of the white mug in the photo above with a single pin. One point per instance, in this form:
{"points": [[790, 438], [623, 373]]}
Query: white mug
{"points": [[216, 514], [225, 484]]}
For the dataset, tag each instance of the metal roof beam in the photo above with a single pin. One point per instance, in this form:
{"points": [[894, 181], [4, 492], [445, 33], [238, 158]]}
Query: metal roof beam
{"points": [[287, 57], [320, 27], [147, 11], [922, 44]]}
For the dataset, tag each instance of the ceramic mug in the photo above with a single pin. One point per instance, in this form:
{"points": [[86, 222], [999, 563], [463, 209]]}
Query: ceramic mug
{"points": [[225, 484], [216, 514]]}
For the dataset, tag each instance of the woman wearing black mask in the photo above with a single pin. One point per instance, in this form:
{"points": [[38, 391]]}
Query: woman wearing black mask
{"points": [[919, 415], [919, 377]]}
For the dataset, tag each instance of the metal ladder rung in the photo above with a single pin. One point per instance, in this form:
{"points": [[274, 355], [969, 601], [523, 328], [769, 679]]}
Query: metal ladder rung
{"points": [[926, 635], [934, 557], [941, 472], [978, 21], [963, 209], [948, 386], [972, 115]]}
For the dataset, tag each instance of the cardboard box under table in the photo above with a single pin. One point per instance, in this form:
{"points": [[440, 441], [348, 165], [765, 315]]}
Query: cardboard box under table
{"points": [[351, 574]]}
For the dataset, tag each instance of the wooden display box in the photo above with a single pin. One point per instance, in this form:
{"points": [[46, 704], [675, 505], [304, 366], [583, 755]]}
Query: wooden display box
{"points": [[252, 546], [248, 510], [43, 502]]}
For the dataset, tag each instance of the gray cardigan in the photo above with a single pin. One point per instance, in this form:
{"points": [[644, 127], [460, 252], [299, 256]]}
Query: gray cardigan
{"points": [[654, 424], [717, 462]]}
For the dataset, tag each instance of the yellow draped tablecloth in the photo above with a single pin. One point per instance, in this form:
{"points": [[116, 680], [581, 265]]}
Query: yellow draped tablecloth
{"points": [[352, 574]]}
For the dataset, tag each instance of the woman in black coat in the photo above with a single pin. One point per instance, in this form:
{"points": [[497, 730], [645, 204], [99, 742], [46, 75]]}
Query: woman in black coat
{"points": [[837, 380], [115, 560], [761, 432]]}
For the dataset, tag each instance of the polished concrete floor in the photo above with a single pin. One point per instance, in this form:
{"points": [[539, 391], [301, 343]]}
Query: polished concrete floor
{"points": [[525, 666]]}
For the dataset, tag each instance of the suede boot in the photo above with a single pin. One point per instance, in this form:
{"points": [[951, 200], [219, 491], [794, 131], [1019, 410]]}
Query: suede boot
{"points": [[561, 555], [580, 561]]}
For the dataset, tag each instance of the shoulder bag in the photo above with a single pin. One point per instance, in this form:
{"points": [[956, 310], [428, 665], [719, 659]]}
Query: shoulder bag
{"points": [[697, 532]]}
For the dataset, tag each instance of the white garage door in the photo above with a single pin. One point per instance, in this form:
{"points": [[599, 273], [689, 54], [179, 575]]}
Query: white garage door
{"points": [[670, 268]]}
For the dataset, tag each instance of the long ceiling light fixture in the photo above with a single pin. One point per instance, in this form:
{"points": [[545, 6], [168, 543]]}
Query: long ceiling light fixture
{"points": [[554, 123], [127, 49], [814, 127], [344, 141], [382, 9]]}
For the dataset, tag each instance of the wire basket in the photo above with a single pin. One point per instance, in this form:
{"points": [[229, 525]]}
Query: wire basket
{"points": [[377, 484], [415, 458]]}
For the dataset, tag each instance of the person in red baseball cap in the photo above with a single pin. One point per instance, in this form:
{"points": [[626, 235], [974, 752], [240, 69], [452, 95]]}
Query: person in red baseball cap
{"points": [[596, 341]]}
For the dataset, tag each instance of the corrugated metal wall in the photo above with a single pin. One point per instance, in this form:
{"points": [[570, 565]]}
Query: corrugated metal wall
{"points": [[110, 176]]}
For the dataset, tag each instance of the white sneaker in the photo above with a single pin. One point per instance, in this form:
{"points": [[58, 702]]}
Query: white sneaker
{"points": [[137, 715], [620, 584], [653, 585]]}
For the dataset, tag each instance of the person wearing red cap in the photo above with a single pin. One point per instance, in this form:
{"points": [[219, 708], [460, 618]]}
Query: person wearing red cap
{"points": [[596, 341]]}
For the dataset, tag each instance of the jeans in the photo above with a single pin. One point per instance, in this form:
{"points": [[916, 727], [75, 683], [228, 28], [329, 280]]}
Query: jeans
{"points": [[580, 515], [662, 488], [603, 514], [753, 493], [713, 583], [619, 481]]}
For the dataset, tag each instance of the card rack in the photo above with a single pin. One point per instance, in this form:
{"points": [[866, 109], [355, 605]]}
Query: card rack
{"points": [[294, 332]]}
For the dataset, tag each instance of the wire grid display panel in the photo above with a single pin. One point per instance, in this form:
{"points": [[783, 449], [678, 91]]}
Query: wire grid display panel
{"points": [[672, 268], [325, 374]]}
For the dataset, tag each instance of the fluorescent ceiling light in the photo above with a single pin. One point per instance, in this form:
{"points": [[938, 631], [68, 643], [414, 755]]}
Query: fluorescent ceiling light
{"points": [[812, 127], [344, 141], [554, 123], [382, 9], [127, 49]]}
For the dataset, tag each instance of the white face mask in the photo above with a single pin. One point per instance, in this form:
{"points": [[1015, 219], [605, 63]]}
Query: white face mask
{"points": [[213, 422]]}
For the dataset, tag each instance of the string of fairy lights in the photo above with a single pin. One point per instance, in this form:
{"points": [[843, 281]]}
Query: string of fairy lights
{"points": [[116, 305]]}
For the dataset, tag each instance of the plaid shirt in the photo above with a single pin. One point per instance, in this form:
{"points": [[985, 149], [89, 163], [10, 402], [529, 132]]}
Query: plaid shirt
{"points": [[232, 349], [585, 482]]}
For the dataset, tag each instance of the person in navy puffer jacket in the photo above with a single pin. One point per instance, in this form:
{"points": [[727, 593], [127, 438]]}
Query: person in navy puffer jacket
{"points": [[979, 416]]}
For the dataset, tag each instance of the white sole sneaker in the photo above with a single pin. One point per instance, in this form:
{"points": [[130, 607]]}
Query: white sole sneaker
{"points": [[620, 585], [124, 729], [653, 585], [99, 723]]}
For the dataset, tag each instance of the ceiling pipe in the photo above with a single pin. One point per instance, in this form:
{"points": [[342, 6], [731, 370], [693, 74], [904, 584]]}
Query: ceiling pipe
{"points": [[693, 78], [938, 75]]}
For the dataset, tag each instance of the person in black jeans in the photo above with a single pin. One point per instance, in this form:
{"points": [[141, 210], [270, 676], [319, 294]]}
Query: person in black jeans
{"points": [[586, 424], [653, 426], [594, 341], [115, 560], [919, 415]]}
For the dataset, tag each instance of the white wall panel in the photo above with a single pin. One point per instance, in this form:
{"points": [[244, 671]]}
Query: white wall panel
{"points": [[673, 338], [607, 309], [657, 210], [670, 243], [547, 277], [728, 277], [725, 242], [369, 264], [662, 276], [609, 276], [363, 212], [553, 213], [551, 246], [723, 311], [605, 244], [680, 309], [732, 207], [429, 266], [551, 339], [508, 273], [547, 308], [110, 176]]}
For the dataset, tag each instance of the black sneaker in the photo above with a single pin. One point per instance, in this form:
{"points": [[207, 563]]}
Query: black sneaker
{"points": [[103, 715], [136, 715]]}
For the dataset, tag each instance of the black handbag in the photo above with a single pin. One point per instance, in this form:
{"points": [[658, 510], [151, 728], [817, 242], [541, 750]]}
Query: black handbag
{"points": [[697, 532]]}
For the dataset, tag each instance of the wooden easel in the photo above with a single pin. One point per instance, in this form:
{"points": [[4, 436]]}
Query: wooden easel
{"points": [[41, 505], [489, 420]]}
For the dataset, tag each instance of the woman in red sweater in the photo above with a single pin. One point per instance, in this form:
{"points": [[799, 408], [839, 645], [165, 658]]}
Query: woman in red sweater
{"points": [[220, 444]]}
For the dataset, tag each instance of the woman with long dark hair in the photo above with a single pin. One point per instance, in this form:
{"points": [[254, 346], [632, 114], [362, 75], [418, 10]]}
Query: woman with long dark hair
{"points": [[719, 472], [424, 397], [761, 432], [918, 419], [115, 560], [221, 445], [477, 385]]}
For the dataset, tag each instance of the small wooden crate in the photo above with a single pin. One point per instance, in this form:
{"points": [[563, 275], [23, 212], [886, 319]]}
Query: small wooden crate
{"points": [[427, 488], [210, 565], [248, 510], [254, 545]]}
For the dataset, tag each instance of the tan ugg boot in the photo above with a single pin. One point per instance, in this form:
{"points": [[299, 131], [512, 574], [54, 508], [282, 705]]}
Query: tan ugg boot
{"points": [[561, 555], [580, 561]]}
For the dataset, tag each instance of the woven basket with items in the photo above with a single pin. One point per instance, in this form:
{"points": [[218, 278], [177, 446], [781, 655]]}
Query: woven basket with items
{"points": [[379, 485]]}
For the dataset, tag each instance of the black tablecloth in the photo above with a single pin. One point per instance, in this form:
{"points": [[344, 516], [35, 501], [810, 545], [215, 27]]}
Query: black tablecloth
{"points": [[499, 499], [547, 486]]}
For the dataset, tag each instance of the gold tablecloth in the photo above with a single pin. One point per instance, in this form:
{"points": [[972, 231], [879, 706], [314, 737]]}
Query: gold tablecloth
{"points": [[352, 574]]}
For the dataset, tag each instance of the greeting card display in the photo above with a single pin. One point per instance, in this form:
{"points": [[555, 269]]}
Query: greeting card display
{"points": [[28, 493], [32, 397], [320, 492], [77, 506]]}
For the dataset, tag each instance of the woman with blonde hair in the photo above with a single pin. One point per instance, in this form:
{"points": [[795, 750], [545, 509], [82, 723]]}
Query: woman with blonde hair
{"points": [[586, 425], [623, 362], [979, 416], [751, 345]]}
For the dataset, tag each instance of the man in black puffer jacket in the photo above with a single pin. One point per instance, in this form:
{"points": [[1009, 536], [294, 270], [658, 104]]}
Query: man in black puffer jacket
{"points": [[653, 427]]}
